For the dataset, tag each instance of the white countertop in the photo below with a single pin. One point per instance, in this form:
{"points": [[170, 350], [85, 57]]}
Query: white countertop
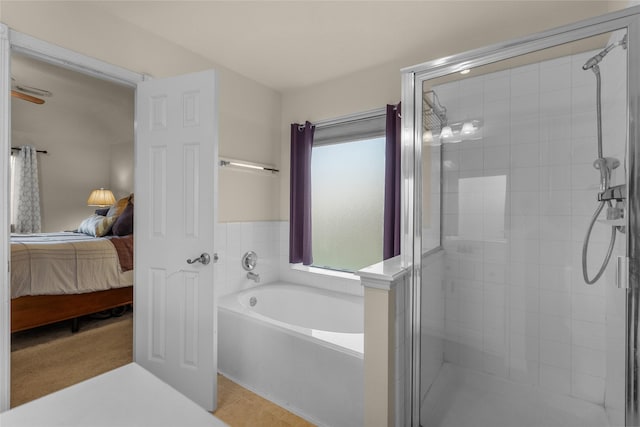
{"points": [[125, 397]]}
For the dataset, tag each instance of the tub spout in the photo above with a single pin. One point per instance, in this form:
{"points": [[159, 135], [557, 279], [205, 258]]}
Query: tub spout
{"points": [[253, 276]]}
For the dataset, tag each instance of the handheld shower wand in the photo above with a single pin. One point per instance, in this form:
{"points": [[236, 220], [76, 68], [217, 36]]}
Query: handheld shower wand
{"points": [[605, 165]]}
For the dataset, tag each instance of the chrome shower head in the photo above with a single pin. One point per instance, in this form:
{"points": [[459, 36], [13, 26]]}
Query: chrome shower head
{"points": [[595, 60]]}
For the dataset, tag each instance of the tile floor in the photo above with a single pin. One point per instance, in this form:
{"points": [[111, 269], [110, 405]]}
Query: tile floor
{"points": [[462, 397], [239, 407]]}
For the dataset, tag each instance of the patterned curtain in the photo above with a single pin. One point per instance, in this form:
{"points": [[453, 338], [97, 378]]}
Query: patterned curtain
{"points": [[27, 192]]}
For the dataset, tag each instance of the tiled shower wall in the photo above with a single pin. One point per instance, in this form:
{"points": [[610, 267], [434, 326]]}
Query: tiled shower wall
{"points": [[516, 206]]}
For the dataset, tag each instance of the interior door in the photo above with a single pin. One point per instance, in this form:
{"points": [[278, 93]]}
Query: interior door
{"points": [[176, 151]]}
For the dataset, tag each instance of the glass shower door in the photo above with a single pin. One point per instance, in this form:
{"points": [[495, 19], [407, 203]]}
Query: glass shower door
{"points": [[511, 332]]}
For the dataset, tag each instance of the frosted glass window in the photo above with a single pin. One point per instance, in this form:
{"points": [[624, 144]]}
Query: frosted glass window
{"points": [[347, 204]]}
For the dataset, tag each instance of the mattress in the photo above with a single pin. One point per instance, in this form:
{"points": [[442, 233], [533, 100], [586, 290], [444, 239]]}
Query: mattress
{"points": [[65, 263]]}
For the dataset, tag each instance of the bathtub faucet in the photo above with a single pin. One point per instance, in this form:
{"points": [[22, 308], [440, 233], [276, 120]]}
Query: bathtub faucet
{"points": [[253, 276]]}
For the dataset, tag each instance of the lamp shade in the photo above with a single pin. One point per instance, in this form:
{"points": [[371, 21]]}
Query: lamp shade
{"points": [[101, 197]]}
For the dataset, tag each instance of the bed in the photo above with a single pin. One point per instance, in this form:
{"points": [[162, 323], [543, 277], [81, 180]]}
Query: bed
{"points": [[62, 276]]}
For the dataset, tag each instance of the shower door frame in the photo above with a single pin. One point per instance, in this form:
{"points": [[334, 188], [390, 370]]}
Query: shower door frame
{"points": [[412, 82]]}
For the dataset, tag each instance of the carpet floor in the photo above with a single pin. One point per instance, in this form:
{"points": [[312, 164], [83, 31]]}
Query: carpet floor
{"points": [[43, 363]]}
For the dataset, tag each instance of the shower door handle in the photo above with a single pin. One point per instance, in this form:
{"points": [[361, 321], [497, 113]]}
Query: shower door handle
{"points": [[622, 272]]}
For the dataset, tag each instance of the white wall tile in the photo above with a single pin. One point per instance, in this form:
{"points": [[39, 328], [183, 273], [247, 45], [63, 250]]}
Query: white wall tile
{"points": [[525, 251], [584, 178], [585, 150], [555, 129], [524, 371], [525, 80], [588, 387], [494, 273], [524, 203], [525, 130], [589, 334], [589, 361], [555, 178], [524, 298], [525, 179], [556, 278], [519, 273], [496, 157], [555, 228], [555, 353], [524, 347], [590, 308], [524, 227], [525, 155], [554, 303], [555, 328], [583, 125], [524, 322], [497, 87], [555, 151], [555, 202], [555, 75], [556, 253], [555, 379]]}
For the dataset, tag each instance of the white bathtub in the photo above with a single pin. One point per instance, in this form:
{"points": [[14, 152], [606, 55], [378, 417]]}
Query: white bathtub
{"points": [[298, 346]]}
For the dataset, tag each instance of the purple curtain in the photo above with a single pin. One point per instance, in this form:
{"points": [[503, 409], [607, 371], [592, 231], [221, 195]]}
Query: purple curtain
{"points": [[300, 194], [392, 178]]}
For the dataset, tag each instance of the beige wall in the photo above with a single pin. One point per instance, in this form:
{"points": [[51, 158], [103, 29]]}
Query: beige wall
{"points": [[121, 169], [375, 87], [249, 113], [354, 93], [77, 126]]}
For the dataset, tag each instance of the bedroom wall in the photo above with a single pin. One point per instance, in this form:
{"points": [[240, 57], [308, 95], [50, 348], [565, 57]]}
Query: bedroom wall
{"points": [[249, 113], [77, 126], [121, 169]]}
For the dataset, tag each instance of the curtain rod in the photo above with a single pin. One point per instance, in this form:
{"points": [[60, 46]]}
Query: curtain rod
{"points": [[351, 118], [37, 151]]}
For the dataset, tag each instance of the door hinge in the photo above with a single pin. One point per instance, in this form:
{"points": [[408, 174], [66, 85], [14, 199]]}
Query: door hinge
{"points": [[622, 272]]}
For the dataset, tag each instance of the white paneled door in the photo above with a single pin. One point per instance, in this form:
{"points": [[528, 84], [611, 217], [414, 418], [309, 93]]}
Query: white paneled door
{"points": [[176, 146]]}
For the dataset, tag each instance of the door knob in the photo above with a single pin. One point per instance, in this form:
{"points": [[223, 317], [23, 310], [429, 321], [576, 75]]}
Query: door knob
{"points": [[204, 258]]}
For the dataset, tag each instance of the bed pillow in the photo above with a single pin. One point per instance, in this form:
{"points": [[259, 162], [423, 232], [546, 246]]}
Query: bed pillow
{"points": [[97, 225], [119, 207], [123, 226]]}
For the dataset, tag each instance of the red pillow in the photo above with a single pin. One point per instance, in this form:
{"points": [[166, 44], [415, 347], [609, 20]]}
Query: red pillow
{"points": [[124, 224]]}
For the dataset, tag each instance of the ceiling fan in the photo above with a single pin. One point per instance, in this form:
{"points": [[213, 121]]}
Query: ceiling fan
{"points": [[28, 93]]}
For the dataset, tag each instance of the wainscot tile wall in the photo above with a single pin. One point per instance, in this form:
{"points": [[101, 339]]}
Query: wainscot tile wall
{"points": [[270, 240]]}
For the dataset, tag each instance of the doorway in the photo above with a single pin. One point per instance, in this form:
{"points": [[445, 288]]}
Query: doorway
{"points": [[184, 107], [12, 42], [84, 134]]}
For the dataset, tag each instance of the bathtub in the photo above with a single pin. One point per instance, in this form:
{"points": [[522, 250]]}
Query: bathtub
{"points": [[298, 346]]}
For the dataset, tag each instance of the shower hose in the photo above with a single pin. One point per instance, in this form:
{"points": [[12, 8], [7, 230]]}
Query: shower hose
{"points": [[585, 246]]}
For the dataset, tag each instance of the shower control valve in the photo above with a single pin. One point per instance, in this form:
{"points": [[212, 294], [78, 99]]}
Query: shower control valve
{"points": [[617, 192]]}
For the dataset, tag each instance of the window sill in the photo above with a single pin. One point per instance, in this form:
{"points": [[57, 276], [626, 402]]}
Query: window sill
{"points": [[325, 272]]}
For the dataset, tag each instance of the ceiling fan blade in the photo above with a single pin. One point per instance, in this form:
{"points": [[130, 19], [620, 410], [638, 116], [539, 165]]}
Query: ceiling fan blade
{"points": [[26, 97]]}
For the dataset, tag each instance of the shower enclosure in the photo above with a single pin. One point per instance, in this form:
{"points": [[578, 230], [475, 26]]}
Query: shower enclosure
{"points": [[525, 301]]}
